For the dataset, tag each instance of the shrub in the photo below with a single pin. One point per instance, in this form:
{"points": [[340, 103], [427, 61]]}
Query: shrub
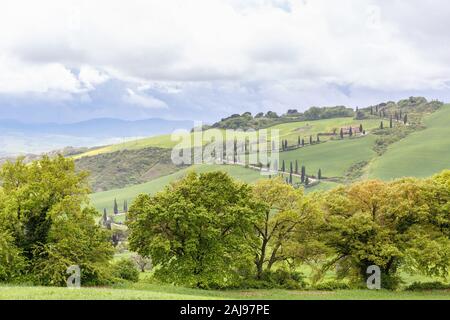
{"points": [[332, 285], [125, 269], [420, 286]]}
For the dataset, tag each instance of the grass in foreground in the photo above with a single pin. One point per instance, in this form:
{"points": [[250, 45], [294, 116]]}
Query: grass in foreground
{"points": [[165, 292]]}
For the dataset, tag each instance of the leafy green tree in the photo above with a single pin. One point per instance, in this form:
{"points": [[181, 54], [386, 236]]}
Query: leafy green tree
{"points": [[197, 230], [45, 212], [287, 215], [389, 225]]}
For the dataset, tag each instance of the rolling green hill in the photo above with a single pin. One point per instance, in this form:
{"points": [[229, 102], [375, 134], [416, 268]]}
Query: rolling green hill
{"points": [[421, 154]]}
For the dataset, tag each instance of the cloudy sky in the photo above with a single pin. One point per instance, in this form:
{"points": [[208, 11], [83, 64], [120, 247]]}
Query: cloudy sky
{"points": [[67, 61]]}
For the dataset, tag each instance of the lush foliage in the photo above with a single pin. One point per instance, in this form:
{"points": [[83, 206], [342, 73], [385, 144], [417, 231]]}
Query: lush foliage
{"points": [[45, 226], [194, 230]]}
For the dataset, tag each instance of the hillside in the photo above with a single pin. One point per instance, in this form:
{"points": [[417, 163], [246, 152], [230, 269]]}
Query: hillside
{"points": [[421, 154], [126, 167]]}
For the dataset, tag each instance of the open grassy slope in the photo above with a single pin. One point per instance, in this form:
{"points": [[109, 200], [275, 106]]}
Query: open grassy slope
{"points": [[105, 199], [421, 154], [304, 129], [333, 157]]}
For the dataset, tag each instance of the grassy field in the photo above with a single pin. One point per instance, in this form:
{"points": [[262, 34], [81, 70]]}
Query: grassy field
{"points": [[105, 199], [421, 154], [143, 291], [304, 129], [333, 157]]}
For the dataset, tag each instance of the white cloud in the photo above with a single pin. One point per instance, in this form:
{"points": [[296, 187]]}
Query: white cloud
{"points": [[144, 101], [280, 47]]}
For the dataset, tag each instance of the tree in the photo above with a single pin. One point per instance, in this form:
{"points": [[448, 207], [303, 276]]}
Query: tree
{"points": [[45, 213], [405, 119], [143, 263], [381, 125], [196, 230], [319, 174], [389, 225], [342, 133], [283, 167], [350, 131], [361, 128], [296, 166], [299, 141], [104, 217], [390, 123], [318, 138], [116, 208], [286, 213], [290, 173], [303, 174], [303, 142], [310, 140], [125, 206]]}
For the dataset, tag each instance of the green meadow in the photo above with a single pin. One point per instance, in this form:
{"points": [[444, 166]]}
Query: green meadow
{"points": [[421, 154]]}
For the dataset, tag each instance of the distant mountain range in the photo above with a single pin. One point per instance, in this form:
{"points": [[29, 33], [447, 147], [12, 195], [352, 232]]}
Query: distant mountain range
{"points": [[18, 137]]}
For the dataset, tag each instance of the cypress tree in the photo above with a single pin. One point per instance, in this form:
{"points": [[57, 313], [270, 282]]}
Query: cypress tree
{"points": [[290, 168], [405, 119], [360, 128], [296, 166], [319, 174], [116, 208], [299, 141], [290, 177], [125, 206], [303, 142], [310, 140], [105, 216], [381, 125], [342, 133], [390, 123], [283, 168], [303, 174]]}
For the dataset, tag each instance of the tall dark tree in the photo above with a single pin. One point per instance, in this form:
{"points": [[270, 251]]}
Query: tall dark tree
{"points": [[381, 125], [299, 141], [310, 140], [303, 174], [296, 166], [319, 174], [405, 119], [125, 206], [283, 167], [116, 208], [318, 138], [390, 123], [104, 217], [361, 128], [303, 142], [342, 133]]}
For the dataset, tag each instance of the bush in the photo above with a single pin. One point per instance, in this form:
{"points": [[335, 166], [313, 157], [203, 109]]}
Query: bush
{"points": [[420, 286], [332, 285], [125, 269]]}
